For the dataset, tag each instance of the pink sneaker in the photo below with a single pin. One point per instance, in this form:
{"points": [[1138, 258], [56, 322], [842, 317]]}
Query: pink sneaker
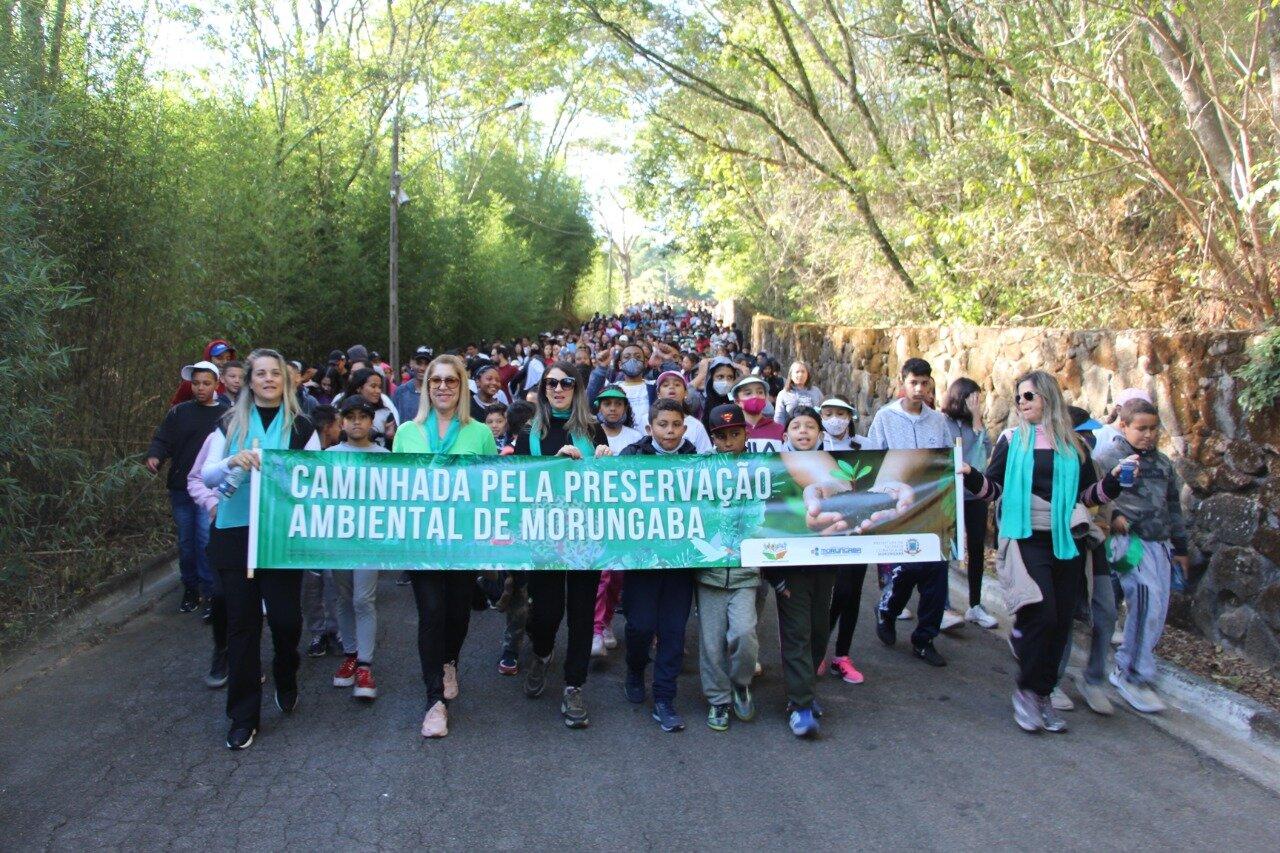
{"points": [[848, 673]]}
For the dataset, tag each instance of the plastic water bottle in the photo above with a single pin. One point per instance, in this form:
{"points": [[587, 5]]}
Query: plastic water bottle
{"points": [[235, 477]]}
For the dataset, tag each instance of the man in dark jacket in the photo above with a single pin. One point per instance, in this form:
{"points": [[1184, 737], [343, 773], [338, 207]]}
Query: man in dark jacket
{"points": [[178, 439]]}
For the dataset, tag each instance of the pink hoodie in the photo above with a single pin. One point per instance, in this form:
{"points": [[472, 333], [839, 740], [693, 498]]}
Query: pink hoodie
{"points": [[200, 493]]}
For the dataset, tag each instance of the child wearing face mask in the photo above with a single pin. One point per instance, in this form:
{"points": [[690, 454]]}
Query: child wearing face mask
{"points": [[715, 379], [804, 599], [837, 425], [613, 410], [764, 435]]}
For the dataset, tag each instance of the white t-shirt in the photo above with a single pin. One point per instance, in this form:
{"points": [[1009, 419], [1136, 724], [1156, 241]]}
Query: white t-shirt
{"points": [[534, 376], [625, 438], [696, 434], [639, 396]]}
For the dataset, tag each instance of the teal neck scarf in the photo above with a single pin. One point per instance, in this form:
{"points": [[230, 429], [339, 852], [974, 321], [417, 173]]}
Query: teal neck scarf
{"points": [[234, 511], [435, 443], [1019, 468], [585, 447]]}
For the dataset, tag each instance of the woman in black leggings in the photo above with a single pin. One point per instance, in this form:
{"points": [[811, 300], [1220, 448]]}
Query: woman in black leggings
{"points": [[963, 408]]}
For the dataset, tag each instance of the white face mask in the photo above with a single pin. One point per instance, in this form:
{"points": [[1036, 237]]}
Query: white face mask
{"points": [[835, 425], [722, 387]]}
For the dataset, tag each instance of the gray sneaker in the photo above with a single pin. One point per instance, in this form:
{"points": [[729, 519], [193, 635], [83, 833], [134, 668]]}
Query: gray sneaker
{"points": [[1141, 698], [535, 678], [1026, 711], [1095, 697], [744, 707], [1050, 719], [573, 709]]}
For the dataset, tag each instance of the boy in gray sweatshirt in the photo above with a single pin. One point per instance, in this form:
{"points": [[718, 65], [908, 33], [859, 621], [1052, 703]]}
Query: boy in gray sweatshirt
{"points": [[909, 424], [1147, 535]]}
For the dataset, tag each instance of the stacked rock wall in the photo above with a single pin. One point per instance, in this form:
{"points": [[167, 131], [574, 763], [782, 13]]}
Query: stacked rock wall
{"points": [[1230, 465]]}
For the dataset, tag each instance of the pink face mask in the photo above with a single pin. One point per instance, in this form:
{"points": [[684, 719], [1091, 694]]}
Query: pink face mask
{"points": [[753, 405]]}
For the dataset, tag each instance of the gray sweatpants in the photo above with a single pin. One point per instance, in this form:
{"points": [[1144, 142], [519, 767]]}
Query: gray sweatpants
{"points": [[356, 591], [318, 603], [727, 639], [1146, 589]]}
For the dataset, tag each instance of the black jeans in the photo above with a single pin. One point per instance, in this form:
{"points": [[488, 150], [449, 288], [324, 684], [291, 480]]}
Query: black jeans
{"points": [[444, 614], [975, 543], [846, 599], [1040, 630], [931, 579], [281, 591], [803, 627], [561, 595]]}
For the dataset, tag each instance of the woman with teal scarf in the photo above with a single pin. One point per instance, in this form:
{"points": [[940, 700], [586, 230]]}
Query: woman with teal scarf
{"points": [[562, 426], [443, 426], [265, 416], [1042, 463]]}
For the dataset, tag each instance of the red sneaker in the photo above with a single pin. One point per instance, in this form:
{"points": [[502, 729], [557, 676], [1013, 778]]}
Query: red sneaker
{"points": [[365, 688], [346, 674]]}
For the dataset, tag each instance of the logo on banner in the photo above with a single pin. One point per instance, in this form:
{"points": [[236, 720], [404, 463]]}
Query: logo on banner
{"points": [[775, 550]]}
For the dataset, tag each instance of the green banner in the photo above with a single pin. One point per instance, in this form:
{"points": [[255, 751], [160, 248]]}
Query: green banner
{"points": [[342, 510]]}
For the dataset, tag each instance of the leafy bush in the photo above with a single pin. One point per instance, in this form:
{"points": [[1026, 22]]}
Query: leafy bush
{"points": [[1260, 376]]}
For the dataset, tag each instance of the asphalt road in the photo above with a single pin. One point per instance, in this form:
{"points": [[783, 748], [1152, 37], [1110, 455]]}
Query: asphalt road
{"points": [[121, 746]]}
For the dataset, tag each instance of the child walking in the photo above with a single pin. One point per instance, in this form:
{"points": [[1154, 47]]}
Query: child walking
{"points": [[356, 590], [804, 602], [1148, 535], [728, 644], [658, 600]]}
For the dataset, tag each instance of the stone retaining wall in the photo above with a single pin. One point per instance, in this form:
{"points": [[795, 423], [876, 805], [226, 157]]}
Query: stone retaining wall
{"points": [[1231, 466]]}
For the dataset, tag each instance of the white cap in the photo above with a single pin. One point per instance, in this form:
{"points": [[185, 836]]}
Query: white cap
{"points": [[835, 402], [201, 365]]}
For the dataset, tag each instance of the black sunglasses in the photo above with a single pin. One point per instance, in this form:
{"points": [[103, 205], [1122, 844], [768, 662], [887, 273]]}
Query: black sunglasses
{"points": [[1028, 396], [567, 382]]}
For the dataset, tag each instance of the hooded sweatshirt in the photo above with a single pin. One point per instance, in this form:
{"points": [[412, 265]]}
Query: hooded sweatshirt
{"points": [[183, 394], [893, 428]]}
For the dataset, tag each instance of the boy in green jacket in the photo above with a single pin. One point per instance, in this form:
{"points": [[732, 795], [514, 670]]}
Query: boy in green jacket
{"points": [[727, 607]]}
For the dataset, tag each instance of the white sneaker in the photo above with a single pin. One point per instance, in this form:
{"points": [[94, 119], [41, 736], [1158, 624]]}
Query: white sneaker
{"points": [[979, 616], [759, 670], [951, 620], [1117, 636], [1142, 699], [610, 641], [1061, 701], [905, 614], [597, 647]]}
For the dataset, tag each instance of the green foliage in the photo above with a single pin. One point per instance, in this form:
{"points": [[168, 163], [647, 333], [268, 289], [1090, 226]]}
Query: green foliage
{"points": [[142, 215], [1260, 376]]}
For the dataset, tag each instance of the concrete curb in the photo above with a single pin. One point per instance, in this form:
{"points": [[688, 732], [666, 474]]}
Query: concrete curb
{"points": [[1220, 707], [113, 604]]}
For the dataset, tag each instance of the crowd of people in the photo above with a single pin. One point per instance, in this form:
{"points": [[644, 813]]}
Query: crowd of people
{"points": [[1089, 516]]}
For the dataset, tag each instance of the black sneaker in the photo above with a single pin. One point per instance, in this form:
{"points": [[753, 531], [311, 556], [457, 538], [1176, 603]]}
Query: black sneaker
{"points": [[929, 655], [319, 647], [885, 628], [535, 677], [287, 700], [240, 737], [206, 615], [190, 601], [217, 676], [633, 687]]}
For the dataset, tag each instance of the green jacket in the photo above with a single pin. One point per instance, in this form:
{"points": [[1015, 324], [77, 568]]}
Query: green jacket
{"points": [[474, 439], [729, 577]]}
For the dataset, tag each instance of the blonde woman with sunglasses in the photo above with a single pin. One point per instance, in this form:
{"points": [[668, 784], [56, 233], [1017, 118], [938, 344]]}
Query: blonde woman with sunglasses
{"points": [[443, 426]]}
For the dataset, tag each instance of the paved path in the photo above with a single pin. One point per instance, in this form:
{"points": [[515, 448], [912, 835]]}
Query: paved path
{"points": [[122, 746]]}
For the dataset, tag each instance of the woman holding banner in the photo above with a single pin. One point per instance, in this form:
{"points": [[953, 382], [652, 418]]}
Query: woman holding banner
{"points": [[562, 426], [443, 426], [265, 416]]}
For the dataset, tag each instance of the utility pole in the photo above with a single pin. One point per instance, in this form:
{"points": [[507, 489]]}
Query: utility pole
{"points": [[393, 302]]}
